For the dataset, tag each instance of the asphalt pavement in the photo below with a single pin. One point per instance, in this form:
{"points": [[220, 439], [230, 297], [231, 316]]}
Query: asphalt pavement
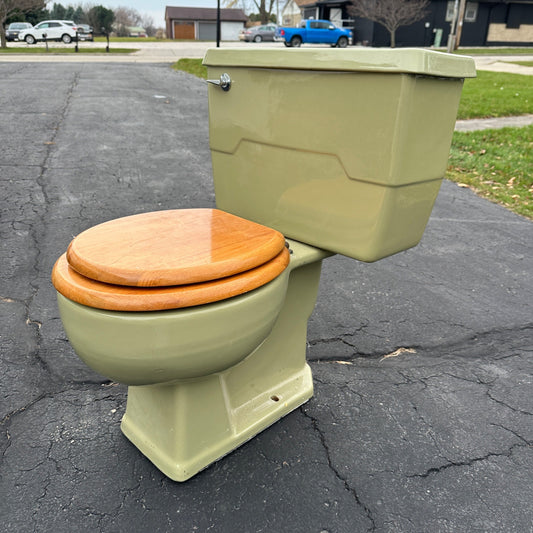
{"points": [[422, 362]]}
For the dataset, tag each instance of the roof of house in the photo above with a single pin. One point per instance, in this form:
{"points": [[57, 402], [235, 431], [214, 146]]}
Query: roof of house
{"points": [[204, 13], [301, 3]]}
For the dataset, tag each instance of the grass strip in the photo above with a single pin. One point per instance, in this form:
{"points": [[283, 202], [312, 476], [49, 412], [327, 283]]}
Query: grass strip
{"points": [[496, 94], [495, 51], [523, 63], [191, 66], [497, 165]]}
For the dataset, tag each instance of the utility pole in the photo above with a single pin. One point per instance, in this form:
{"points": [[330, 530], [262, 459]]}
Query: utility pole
{"points": [[457, 25], [453, 26], [460, 20]]}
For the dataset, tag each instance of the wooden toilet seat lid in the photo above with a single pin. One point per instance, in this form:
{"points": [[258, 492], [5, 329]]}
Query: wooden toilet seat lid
{"points": [[175, 247], [100, 295]]}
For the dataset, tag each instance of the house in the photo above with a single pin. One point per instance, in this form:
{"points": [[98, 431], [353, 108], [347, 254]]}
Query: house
{"points": [[201, 23], [486, 23], [291, 14], [136, 31], [334, 10]]}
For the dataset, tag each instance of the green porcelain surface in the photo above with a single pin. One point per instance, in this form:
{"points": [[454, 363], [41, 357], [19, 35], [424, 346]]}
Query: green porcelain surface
{"points": [[342, 156]]}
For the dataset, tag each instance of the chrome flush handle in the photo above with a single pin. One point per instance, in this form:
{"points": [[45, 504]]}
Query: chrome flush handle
{"points": [[224, 82]]}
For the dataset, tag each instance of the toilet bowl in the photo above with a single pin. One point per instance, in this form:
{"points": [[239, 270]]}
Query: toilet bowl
{"points": [[208, 363], [203, 312], [172, 294]]}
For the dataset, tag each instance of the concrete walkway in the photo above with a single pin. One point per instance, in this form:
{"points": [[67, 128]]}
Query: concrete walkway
{"points": [[492, 123], [505, 63]]}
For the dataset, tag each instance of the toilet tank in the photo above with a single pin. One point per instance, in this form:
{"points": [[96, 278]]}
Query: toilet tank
{"points": [[344, 150]]}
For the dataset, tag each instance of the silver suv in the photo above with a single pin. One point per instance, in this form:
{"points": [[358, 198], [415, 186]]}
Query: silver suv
{"points": [[12, 32], [49, 30]]}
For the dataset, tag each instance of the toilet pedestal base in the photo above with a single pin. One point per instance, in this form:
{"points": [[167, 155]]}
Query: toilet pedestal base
{"points": [[184, 426]]}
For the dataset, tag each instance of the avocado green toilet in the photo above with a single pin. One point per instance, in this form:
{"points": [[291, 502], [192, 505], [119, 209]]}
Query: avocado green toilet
{"points": [[203, 312]]}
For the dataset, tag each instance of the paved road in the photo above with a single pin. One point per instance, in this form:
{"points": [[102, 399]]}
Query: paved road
{"points": [[422, 414], [168, 52]]}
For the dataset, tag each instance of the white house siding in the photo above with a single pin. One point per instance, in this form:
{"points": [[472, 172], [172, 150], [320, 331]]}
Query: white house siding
{"points": [[290, 15], [230, 30]]}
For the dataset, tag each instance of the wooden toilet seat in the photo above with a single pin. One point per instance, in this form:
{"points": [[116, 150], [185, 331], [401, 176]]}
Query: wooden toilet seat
{"points": [[169, 260]]}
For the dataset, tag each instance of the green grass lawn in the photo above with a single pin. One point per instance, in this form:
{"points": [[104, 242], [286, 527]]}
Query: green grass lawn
{"points": [[496, 94], [495, 51], [523, 63], [191, 66], [496, 164]]}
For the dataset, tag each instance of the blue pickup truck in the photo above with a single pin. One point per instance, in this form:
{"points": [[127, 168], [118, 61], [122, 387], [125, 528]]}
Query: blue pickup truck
{"points": [[314, 31]]}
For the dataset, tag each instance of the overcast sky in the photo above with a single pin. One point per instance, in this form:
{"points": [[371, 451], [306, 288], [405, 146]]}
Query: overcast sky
{"points": [[156, 8]]}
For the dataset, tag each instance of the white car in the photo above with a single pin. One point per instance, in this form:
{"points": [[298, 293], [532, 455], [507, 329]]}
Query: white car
{"points": [[49, 30]]}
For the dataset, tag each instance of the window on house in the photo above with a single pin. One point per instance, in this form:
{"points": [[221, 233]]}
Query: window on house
{"points": [[470, 11], [449, 11]]}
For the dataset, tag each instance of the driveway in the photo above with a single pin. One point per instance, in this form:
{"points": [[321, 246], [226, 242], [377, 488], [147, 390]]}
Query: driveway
{"points": [[422, 362]]}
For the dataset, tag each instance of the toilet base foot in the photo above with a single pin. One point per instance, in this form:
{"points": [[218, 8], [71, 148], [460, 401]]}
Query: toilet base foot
{"points": [[184, 427]]}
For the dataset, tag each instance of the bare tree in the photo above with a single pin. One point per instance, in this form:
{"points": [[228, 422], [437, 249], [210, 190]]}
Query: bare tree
{"points": [[9, 7], [390, 13], [264, 7], [147, 23], [126, 17]]}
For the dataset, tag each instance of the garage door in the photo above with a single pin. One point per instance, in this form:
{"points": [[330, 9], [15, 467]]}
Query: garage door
{"points": [[207, 31], [183, 30]]}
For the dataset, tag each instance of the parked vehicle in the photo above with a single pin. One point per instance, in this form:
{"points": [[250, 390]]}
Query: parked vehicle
{"points": [[258, 33], [85, 32], [50, 30], [13, 30], [314, 31]]}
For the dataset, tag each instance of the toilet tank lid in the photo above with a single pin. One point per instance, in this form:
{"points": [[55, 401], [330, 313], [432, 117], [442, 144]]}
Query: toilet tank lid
{"points": [[404, 60]]}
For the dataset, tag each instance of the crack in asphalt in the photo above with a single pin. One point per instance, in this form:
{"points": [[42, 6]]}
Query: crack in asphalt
{"points": [[504, 404], [470, 462], [41, 222], [8, 418], [454, 347], [351, 490]]}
